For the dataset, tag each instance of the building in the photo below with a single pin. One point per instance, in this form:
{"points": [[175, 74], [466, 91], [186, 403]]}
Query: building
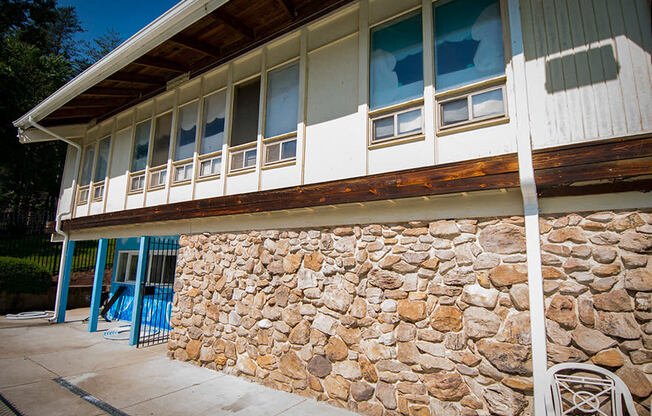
{"points": [[395, 206]]}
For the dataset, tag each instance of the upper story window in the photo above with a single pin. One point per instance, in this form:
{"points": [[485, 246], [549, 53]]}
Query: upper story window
{"points": [[281, 109], [86, 174], [212, 137], [245, 124], [184, 148], [469, 59], [101, 168], [160, 150], [396, 78], [139, 155]]}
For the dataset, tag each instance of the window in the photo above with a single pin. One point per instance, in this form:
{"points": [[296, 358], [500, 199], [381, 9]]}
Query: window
{"points": [[186, 132], [479, 106], [469, 63], [280, 151], [157, 177], [210, 167], [245, 113], [213, 129], [98, 191], [282, 101], [397, 125], [161, 267], [396, 62], [468, 42], [396, 79], [137, 182], [141, 146], [127, 267], [102, 163], [161, 144], [87, 170], [82, 196], [243, 159], [183, 172]]}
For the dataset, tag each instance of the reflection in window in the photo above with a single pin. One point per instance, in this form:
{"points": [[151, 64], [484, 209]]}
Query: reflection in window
{"points": [[396, 62], [186, 132], [213, 132], [488, 103], [282, 100], [455, 111], [141, 146], [468, 42], [245, 114], [161, 145], [87, 170], [102, 160]]}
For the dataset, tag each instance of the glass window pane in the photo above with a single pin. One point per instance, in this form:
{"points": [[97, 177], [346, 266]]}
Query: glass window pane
{"points": [[133, 267], [102, 160], [141, 146], [468, 42], [186, 132], [409, 122], [282, 100], [213, 132], [237, 160], [205, 168], [245, 113], [162, 140], [488, 103], [250, 158], [396, 62], [89, 154], [122, 267], [383, 128], [289, 149], [455, 111], [273, 153]]}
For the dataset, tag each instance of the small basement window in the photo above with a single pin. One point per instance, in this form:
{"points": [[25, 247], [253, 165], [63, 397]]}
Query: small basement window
{"points": [[127, 267]]}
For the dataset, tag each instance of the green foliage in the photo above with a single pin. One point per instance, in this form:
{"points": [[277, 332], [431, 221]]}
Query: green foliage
{"points": [[23, 276]]}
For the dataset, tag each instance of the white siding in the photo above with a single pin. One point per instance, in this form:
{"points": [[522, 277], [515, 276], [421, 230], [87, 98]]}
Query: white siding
{"points": [[588, 69], [118, 171]]}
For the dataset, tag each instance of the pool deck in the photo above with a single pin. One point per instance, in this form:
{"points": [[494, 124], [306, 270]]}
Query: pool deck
{"points": [[38, 360]]}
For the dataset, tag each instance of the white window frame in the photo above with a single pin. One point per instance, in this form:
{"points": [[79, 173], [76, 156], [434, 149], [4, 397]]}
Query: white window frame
{"points": [[157, 177], [209, 158], [395, 111], [243, 150], [98, 191], [131, 255], [83, 193], [182, 164], [139, 177], [151, 255], [278, 141], [468, 92]]}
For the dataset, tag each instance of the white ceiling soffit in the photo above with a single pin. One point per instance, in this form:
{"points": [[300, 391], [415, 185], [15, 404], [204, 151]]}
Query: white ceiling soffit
{"points": [[165, 26]]}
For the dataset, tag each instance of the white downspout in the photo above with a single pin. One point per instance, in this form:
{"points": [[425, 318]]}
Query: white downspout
{"points": [[531, 211], [66, 237]]}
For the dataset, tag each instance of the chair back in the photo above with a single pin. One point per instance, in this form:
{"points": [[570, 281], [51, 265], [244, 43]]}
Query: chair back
{"points": [[571, 391]]}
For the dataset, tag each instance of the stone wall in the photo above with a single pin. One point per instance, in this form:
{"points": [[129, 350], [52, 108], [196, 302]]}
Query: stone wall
{"points": [[598, 279], [417, 318]]}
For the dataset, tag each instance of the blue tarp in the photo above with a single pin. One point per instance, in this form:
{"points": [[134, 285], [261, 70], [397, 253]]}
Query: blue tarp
{"points": [[152, 307]]}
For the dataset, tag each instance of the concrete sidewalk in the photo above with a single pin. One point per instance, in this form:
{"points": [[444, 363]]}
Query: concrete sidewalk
{"points": [[136, 381]]}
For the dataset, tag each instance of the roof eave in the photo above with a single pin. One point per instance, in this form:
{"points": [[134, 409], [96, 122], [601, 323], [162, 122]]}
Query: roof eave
{"points": [[165, 26]]}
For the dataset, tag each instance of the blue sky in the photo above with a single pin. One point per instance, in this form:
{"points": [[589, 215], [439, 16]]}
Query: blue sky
{"points": [[125, 16]]}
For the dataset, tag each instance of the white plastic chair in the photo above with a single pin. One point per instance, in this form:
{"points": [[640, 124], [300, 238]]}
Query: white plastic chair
{"points": [[569, 394]]}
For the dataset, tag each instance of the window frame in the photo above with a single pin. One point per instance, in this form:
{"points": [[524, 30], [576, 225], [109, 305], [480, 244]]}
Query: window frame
{"points": [[159, 171], [183, 164], [209, 158], [150, 257], [131, 254], [242, 149], [142, 173], [468, 92], [279, 140], [394, 111], [83, 194]]}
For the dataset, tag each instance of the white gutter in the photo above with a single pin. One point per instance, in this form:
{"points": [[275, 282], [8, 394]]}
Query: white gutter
{"points": [[164, 27], [531, 211], [66, 238]]}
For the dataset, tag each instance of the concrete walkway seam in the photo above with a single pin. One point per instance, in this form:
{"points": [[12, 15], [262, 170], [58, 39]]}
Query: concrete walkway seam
{"points": [[90, 398]]}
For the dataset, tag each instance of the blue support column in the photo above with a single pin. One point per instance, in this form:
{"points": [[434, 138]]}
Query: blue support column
{"points": [[63, 300], [98, 282], [137, 308]]}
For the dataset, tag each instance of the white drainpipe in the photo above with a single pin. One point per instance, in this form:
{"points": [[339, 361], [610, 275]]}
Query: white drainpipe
{"points": [[66, 237], [531, 211]]}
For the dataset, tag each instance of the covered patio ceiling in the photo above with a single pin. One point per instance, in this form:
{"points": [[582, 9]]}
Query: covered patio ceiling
{"points": [[231, 30]]}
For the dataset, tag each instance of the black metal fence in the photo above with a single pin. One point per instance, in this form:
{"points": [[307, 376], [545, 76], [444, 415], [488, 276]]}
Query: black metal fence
{"points": [[158, 291], [24, 236]]}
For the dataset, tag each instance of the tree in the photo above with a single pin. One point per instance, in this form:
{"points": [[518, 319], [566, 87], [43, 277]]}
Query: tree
{"points": [[91, 52], [36, 53]]}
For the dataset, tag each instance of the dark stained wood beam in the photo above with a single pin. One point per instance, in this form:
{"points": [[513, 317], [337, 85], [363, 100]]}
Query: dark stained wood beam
{"points": [[233, 22], [78, 112], [195, 45], [110, 92], [557, 169], [160, 63], [288, 7], [89, 102], [136, 78]]}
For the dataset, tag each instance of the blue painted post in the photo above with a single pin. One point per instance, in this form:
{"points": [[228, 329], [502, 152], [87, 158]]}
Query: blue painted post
{"points": [[98, 282], [67, 268], [137, 308]]}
